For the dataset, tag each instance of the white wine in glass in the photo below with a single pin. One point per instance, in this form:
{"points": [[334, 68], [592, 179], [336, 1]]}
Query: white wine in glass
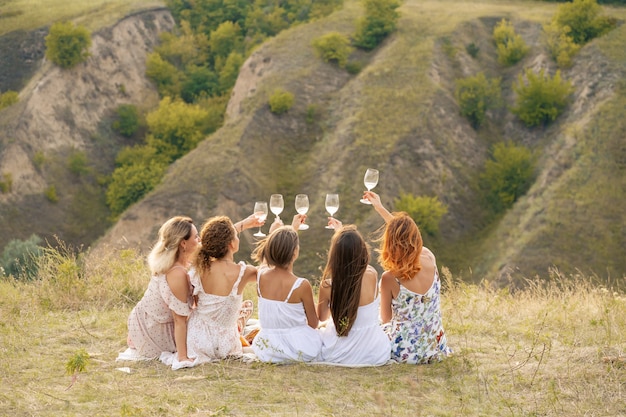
{"points": [[302, 206], [277, 204], [260, 212], [370, 180], [332, 205]]}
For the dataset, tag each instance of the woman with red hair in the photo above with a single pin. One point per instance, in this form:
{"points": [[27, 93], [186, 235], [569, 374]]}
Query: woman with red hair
{"points": [[410, 303]]}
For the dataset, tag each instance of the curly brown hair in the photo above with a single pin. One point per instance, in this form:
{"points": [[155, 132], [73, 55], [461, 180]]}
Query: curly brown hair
{"points": [[215, 236]]}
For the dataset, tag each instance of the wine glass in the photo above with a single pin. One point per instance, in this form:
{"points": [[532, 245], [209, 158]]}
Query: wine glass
{"points": [[332, 205], [302, 206], [370, 180], [277, 204], [260, 212]]}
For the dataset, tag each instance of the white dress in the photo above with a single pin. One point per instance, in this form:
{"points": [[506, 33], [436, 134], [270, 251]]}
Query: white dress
{"points": [[212, 328], [285, 335], [365, 344]]}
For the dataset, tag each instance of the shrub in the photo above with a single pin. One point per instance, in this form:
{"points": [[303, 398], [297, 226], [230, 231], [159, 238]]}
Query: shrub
{"points": [[199, 81], [8, 98], [38, 159], [19, 258], [51, 194], [560, 44], [475, 95], [426, 211], [280, 101], [541, 99], [230, 71], [127, 121], [6, 185], [507, 175], [511, 46], [67, 45], [354, 67], [472, 49], [77, 163], [333, 47], [380, 20], [165, 75], [583, 19]]}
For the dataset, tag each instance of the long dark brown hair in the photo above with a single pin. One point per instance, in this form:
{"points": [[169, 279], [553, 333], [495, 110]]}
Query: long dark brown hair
{"points": [[347, 261]]}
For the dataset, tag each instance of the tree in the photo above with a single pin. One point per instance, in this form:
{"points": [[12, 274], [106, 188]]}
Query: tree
{"points": [[476, 95], [225, 39], [67, 45], [165, 75], [333, 47], [541, 99], [129, 183], [426, 211], [380, 20], [560, 44], [508, 175], [127, 120], [511, 46], [583, 19], [230, 71]]}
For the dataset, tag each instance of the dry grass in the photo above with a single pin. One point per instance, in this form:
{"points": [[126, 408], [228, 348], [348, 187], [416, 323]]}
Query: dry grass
{"points": [[95, 14], [540, 351]]}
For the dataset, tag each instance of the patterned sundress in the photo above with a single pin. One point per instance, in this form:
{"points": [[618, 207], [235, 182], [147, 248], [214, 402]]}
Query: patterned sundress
{"points": [[416, 328]]}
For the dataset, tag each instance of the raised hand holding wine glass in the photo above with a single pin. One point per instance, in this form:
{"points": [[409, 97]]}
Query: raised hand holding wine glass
{"points": [[332, 205], [260, 211], [302, 207], [277, 204], [370, 180]]}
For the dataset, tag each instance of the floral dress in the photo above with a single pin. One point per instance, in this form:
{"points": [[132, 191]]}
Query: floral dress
{"points": [[416, 328]]}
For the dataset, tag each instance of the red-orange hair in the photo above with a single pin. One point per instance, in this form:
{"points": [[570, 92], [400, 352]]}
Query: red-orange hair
{"points": [[401, 247]]}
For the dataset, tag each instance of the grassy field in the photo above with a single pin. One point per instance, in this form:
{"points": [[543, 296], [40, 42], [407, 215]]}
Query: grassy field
{"points": [[94, 14], [552, 350]]}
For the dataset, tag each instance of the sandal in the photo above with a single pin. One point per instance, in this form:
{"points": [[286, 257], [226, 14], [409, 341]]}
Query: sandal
{"points": [[244, 314]]}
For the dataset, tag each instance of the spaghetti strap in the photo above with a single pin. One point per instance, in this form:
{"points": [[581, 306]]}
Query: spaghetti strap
{"points": [[259, 271], [242, 269], [295, 285]]}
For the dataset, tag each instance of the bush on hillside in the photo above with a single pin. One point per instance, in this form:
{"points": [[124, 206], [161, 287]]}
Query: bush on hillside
{"points": [[511, 46], [127, 121], [6, 184], [8, 98], [426, 211], [67, 45], [198, 81], [475, 95], [508, 175], [51, 194], [541, 98], [280, 101], [560, 44], [583, 19], [130, 182], [380, 19], [225, 39], [165, 75], [77, 162], [333, 47], [19, 258], [230, 71]]}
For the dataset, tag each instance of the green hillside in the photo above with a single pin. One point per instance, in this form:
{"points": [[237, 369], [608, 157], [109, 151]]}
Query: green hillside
{"points": [[399, 114]]}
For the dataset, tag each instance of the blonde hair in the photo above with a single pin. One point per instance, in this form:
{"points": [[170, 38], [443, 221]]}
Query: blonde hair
{"points": [[164, 254], [401, 247], [216, 235]]}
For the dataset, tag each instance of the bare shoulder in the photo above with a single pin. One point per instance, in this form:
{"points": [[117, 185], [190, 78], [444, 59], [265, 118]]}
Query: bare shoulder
{"points": [[370, 275], [176, 274], [428, 254]]}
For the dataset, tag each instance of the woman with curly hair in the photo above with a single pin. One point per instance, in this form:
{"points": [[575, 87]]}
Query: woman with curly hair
{"points": [[410, 302]]}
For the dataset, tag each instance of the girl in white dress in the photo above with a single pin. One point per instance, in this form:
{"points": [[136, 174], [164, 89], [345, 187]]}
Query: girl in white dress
{"points": [[348, 292], [286, 308], [218, 282]]}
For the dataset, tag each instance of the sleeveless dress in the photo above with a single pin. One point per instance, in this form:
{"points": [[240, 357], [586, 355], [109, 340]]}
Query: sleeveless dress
{"points": [[212, 328], [365, 344], [151, 324], [285, 335], [416, 327]]}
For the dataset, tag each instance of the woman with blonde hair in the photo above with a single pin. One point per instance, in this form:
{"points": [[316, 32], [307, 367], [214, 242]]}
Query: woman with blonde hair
{"points": [[410, 299], [286, 308], [349, 294], [158, 323]]}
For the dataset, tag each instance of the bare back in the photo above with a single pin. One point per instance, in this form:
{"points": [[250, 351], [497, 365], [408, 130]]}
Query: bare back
{"points": [[219, 280]]}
